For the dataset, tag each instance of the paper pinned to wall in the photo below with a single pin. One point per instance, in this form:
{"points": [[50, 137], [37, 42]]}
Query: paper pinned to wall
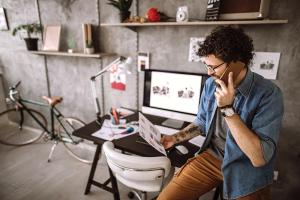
{"points": [[266, 64], [194, 47], [117, 78]]}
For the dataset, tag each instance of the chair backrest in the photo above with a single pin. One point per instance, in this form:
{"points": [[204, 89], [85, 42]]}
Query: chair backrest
{"points": [[134, 167]]}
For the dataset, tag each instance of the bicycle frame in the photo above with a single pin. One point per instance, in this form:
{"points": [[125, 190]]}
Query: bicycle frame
{"points": [[54, 112]]}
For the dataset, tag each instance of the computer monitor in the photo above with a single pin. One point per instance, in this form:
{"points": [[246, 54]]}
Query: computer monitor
{"points": [[173, 95]]}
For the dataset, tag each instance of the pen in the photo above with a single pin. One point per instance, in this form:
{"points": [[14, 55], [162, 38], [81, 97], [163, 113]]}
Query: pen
{"points": [[121, 127]]}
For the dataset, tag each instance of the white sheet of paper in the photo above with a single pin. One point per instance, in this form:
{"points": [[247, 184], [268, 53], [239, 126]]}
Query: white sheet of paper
{"points": [[150, 133], [266, 64], [198, 141], [111, 132]]}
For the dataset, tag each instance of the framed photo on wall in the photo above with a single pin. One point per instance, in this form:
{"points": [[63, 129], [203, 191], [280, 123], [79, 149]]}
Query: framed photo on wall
{"points": [[3, 21], [143, 61], [51, 38]]}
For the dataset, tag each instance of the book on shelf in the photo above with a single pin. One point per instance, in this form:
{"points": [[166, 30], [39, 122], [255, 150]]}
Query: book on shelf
{"points": [[87, 36]]}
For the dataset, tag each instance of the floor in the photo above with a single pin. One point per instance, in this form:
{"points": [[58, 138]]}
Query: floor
{"points": [[26, 174]]}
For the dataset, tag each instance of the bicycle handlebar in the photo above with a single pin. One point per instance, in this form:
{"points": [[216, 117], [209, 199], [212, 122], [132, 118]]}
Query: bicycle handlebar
{"points": [[13, 92], [15, 86]]}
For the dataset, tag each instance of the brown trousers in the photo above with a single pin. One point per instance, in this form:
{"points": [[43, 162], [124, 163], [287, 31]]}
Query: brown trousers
{"points": [[198, 176]]}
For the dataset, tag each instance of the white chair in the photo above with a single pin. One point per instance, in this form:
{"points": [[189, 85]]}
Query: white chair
{"points": [[145, 174]]}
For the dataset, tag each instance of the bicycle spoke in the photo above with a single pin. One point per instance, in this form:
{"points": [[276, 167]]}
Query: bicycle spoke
{"points": [[79, 148], [11, 134]]}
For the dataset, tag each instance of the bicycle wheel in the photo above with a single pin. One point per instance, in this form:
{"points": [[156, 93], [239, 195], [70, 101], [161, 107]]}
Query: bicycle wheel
{"points": [[81, 149], [19, 131]]}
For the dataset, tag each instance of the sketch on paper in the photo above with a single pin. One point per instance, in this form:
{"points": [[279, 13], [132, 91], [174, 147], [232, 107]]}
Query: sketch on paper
{"points": [[148, 131], [194, 47], [168, 93], [117, 78], [266, 64]]}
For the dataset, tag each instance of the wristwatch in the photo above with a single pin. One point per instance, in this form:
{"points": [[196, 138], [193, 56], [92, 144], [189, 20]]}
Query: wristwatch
{"points": [[227, 111]]}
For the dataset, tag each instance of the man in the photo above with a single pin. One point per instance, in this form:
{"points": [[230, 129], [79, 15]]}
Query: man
{"points": [[241, 121]]}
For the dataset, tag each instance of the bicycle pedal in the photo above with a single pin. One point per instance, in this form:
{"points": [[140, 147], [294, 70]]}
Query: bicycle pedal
{"points": [[9, 101], [46, 138]]}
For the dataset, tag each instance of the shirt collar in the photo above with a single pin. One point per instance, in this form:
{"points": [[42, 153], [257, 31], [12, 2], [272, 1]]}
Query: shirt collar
{"points": [[245, 85]]}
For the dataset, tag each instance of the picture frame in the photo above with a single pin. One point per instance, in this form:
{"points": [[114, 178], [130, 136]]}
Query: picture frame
{"points": [[3, 20], [143, 61], [51, 37]]}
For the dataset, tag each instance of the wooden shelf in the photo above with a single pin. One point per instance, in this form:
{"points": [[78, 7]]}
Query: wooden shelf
{"points": [[198, 23], [60, 53]]}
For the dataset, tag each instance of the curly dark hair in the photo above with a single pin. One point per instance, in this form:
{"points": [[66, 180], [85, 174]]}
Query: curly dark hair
{"points": [[228, 44]]}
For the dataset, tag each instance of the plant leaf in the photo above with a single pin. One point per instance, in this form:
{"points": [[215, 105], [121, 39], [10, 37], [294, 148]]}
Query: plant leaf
{"points": [[115, 5]]}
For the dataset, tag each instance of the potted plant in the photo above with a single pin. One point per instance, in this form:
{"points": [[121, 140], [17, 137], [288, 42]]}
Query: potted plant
{"points": [[31, 43], [71, 45], [123, 6], [89, 49]]}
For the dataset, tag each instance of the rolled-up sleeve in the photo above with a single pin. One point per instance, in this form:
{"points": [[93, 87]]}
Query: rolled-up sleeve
{"points": [[267, 122], [268, 149], [201, 115]]}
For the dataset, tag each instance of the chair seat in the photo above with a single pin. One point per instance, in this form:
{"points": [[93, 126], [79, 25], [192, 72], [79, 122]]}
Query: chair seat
{"points": [[146, 186], [146, 174]]}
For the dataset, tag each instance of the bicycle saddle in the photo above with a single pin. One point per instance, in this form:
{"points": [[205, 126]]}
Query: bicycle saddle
{"points": [[53, 100]]}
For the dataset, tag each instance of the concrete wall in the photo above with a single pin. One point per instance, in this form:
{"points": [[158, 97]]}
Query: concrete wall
{"points": [[69, 77]]}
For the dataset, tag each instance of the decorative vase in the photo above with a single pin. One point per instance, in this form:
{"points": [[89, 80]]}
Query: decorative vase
{"points": [[124, 15], [89, 50], [31, 44]]}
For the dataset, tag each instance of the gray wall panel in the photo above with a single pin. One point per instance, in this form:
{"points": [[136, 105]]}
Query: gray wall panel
{"points": [[168, 47]]}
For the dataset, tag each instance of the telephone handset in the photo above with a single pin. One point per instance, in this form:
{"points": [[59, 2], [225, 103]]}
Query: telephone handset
{"points": [[235, 67]]}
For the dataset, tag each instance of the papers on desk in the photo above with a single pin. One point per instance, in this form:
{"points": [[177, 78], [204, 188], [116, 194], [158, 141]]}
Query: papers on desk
{"points": [[198, 141], [111, 132], [150, 133]]}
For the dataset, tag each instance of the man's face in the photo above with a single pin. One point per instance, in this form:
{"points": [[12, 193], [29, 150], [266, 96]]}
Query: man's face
{"points": [[215, 66]]}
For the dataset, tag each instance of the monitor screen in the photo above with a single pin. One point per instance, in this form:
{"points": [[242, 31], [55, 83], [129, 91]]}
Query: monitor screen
{"points": [[172, 94]]}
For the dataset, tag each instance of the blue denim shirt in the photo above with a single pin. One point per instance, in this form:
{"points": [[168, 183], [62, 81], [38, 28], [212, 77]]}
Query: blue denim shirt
{"points": [[259, 104]]}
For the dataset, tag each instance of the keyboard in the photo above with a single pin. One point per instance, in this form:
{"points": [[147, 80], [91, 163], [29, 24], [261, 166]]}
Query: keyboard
{"points": [[166, 130]]}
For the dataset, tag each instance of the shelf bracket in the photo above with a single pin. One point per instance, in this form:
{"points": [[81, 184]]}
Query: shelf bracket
{"points": [[133, 28]]}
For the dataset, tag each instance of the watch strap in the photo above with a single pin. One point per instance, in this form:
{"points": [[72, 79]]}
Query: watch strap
{"points": [[227, 106]]}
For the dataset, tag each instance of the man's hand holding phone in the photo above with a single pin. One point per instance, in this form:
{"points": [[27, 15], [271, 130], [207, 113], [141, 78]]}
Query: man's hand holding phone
{"points": [[225, 94]]}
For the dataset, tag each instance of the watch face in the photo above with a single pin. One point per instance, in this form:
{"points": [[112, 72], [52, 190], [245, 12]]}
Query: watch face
{"points": [[227, 112]]}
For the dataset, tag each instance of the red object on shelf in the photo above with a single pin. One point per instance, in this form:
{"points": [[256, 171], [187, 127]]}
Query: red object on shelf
{"points": [[153, 15]]}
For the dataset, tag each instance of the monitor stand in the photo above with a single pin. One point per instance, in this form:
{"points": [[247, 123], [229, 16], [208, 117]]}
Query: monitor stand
{"points": [[173, 123]]}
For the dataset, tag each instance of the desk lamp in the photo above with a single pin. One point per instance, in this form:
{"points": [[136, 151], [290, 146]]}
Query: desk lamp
{"points": [[122, 64]]}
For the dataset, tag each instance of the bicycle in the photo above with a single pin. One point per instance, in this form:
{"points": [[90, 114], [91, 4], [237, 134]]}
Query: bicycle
{"points": [[23, 124]]}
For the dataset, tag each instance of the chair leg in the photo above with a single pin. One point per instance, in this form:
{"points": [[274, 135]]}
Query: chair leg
{"points": [[144, 195], [114, 185], [218, 193], [133, 194]]}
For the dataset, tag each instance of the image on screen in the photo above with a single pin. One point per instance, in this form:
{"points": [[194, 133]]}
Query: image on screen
{"points": [[175, 91]]}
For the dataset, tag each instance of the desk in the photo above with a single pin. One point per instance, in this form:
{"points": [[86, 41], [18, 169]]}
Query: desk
{"points": [[127, 144]]}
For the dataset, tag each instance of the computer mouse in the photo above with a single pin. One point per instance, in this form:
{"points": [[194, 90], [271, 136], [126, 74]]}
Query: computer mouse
{"points": [[182, 149]]}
